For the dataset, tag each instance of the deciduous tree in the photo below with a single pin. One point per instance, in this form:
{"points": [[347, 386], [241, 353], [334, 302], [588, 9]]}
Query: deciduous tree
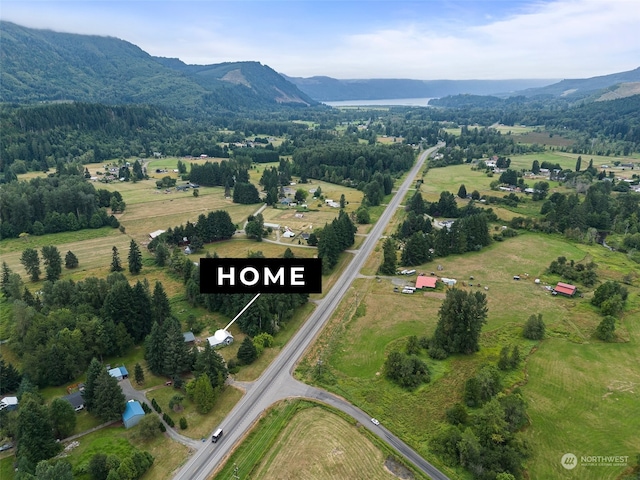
{"points": [[461, 317], [63, 418]]}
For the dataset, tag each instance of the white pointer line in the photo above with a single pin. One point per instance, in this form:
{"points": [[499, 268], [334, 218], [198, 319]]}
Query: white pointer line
{"points": [[242, 311]]}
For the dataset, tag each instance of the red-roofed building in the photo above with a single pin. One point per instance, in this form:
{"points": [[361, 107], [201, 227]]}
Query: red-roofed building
{"points": [[425, 282], [565, 289]]}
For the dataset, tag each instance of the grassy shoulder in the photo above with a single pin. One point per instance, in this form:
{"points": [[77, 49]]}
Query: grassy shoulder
{"points": [[298, 437]]}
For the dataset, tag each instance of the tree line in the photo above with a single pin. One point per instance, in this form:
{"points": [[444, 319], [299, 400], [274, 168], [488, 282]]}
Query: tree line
{"points": [[54, 204]]}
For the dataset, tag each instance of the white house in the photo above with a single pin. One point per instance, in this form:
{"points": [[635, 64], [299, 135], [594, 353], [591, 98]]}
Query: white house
{"points": [[10, 403], [221, 338]]}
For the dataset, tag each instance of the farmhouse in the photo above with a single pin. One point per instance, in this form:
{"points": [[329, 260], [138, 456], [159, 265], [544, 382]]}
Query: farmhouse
{"points": [[76, 400], [565, 289], [220, 339], [119, 373], [426, 282], [9, 403], [133, 413]]}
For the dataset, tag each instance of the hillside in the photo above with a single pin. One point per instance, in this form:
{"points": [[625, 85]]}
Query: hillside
{"points": [[326, 89], [42, 65], [583, 87]]}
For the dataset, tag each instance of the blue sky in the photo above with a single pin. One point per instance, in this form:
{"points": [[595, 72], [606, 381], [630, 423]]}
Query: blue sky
{"points": [[428, 39]]}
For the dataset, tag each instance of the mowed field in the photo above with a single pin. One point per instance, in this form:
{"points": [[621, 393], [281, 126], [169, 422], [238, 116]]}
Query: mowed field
{"points": [[320, 445], [300, 439]]}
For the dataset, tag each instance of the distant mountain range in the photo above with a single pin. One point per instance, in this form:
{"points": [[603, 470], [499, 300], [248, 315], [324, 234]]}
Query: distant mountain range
{"points": [[47, 66], [327, 89]]}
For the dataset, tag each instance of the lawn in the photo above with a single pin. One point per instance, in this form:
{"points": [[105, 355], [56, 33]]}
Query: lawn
{"points": [[199, 426]]}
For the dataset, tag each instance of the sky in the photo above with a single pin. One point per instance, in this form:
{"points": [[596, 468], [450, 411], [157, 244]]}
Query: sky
{"points": [[425, 40]]}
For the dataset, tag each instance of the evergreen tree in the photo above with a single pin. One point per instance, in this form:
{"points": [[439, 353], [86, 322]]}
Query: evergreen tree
{"points": [[535, 167], [10, 378], [135, 258], [161, 254], [417, 205], [328, 248], [116, 266], [52, 262], [210, 362], [138, 374], [31, 262], [514, 358], [160, 307], [70, 260], [5, 279], [288, 253], [416, 250], [462, 191], [89, 392], [63, 418], [177, 358], [503, 361], [389, 260], [461, 317], [154, 349], [578, 163], [109, 401], [247, 352], [343, 201], [34, 431]]}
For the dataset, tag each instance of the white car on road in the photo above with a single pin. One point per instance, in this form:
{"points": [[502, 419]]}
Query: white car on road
{"points": [[375, 422]]}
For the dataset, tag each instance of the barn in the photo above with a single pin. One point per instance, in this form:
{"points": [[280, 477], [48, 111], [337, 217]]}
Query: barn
{"points": [[565, 289], [426, 282], [133, 413]]}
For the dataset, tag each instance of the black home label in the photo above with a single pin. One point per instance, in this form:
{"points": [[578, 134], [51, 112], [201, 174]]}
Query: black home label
{"points": [[260, 275]]}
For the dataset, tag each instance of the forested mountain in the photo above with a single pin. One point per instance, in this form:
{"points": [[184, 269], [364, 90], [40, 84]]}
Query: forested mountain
{"points": [[42, 65], [583, 87], [326, 89]]}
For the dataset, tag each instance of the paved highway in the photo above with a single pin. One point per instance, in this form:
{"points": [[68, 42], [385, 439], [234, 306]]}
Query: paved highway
{"points": [[276, 382]]}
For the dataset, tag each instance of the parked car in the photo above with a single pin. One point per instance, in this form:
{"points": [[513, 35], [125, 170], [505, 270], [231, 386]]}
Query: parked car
{"points": [[6, 446]]}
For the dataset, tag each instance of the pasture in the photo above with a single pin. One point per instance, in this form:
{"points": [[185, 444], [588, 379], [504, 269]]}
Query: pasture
{"points": [[590, 379]]}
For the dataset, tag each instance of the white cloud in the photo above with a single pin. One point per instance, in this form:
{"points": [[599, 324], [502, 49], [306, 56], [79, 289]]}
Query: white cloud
{"points": [[556, 39]]}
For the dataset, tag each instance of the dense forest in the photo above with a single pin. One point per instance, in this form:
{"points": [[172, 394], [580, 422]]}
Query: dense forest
{"points": [[55, 204]]}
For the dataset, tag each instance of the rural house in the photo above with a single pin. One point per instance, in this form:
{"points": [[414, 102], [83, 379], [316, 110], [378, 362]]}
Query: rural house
{"points": [[76, 400], [221, 338], [9, 403]]}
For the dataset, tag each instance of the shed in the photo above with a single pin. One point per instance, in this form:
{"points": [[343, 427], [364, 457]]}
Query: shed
{"points": [[425, 282], [155, 234], [133, 413], [449, 282], [119, 373], [220, 339], [76, 400], [9, 403], [189, 337], [565, 289]]}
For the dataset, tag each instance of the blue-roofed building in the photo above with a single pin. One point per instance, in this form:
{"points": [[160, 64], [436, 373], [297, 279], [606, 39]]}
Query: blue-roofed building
{"points": [[119, 373], [133, 413]]}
